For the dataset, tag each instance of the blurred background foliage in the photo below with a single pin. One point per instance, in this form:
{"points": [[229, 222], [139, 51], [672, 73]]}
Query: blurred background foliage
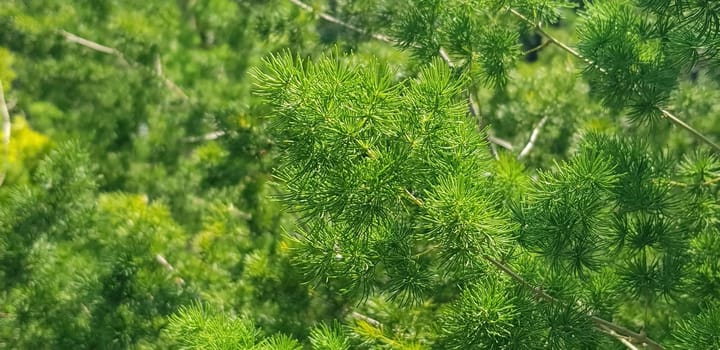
{"points": [[137, 172]]}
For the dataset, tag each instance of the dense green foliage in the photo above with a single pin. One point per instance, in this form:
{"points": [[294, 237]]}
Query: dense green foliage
{"points": [[224, 174]]}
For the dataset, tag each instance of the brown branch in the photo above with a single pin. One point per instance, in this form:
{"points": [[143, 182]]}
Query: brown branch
{"points": [[575, 53], [73, 38], [6, 130]]}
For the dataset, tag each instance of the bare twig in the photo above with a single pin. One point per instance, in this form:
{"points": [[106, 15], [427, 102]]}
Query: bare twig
{"points": [[575, 53], [337, 21], [538, 48], [73, 38], [475, 110], [91, 44], [162, 261], [533, 137], [501, 142], [514, 275], [628, 344], [444, 55], [214, 135], [559, 43], [158, 65], [6, 130], [687, 127]]}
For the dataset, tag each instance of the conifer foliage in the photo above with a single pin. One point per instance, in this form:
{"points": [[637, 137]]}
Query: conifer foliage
{"points": [[221, 174], [399, 199]]}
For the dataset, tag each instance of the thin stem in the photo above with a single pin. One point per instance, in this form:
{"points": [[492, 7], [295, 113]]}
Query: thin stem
{"points": [[375, 323], [533, 137], [207, 137], [162, 261], [475, 111], [559, 43], [501, 142], [92, 45], [683, 184], [444, 55], [687, 127], [508, 271], [628, 344], [73, 38], [537, 48], [573, 52], [6, 130], [342, 23]]}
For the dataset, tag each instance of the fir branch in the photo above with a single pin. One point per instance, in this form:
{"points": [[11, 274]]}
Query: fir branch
{"points": [[6, 130], [675, 120], [621, 332], [442, 52], [73, 38], [533, 137]]}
